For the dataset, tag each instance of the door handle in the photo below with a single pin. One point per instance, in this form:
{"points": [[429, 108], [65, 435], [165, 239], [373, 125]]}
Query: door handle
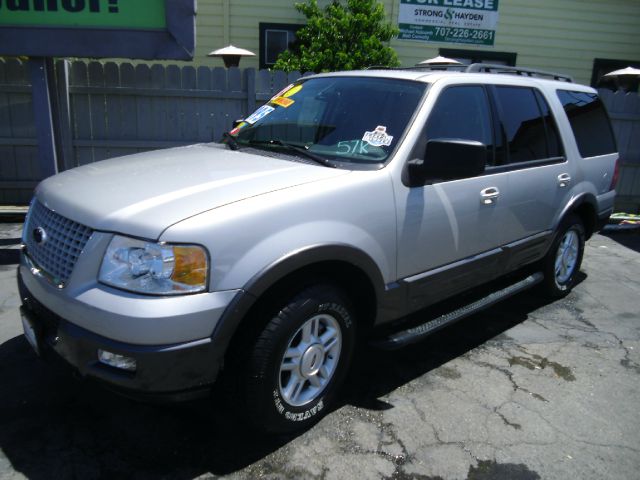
{"points": [[564, 179], [489, 195]]}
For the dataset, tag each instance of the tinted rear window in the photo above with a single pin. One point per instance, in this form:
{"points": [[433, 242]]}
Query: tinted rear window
{"points": [[589, 123], [523, 124]]}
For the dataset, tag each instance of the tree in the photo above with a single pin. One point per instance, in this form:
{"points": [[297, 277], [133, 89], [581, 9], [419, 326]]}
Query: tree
{"points": [[341, 37]]}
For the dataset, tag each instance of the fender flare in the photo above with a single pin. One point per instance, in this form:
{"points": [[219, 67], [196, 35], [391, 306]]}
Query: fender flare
{"points": [[276, 271], [574, 204]]}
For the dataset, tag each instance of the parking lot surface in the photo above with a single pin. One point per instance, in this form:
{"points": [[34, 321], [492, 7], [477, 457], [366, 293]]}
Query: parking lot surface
{"points": [[524, 390]]}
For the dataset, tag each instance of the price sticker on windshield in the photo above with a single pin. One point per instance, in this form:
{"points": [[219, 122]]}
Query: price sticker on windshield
{"points": [[282, 102], [240, 126], [292, 91], [260, 113], [281, 92], [378, 138]]}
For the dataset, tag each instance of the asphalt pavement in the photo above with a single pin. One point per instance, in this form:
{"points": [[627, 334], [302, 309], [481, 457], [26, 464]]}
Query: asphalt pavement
{"points": [[524, 390]]}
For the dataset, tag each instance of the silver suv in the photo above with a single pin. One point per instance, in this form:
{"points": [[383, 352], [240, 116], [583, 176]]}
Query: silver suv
{"points": [[347, 202]]}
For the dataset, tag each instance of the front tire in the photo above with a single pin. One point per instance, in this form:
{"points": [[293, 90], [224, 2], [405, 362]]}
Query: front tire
{"points": [[562, 263], [299, 360]]}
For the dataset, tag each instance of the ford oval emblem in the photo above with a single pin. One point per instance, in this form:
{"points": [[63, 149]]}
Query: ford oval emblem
{"points": [[39, 235]]}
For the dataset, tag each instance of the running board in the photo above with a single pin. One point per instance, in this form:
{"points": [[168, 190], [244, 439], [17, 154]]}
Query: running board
{"points": [[415, 334]]}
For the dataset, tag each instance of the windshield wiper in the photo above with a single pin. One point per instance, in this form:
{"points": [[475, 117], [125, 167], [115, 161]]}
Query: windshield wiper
{"points": [[231, 141], [295, 148]]}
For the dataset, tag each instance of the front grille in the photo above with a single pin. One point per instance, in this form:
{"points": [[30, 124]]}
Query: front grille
{"points": [[56, 253]]}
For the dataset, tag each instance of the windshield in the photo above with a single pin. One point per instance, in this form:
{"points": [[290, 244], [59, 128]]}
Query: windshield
{"points": [[343, 119]]}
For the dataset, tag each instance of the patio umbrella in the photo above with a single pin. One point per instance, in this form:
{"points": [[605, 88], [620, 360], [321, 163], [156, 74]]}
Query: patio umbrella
{"points": [[623, 71], [440, 61], [231, 55]]}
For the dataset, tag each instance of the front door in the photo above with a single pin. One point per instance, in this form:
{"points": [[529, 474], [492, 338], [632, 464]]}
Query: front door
{"points": [[449, 233]]}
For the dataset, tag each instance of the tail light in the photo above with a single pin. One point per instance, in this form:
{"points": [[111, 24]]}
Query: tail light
{"points": [[616, 175]]}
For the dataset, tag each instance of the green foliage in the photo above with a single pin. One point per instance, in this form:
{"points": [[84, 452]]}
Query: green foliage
{"points": [[341, 37]]}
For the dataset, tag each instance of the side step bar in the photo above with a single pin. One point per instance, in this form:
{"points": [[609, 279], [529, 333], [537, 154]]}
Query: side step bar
{"points": [[415, 334]]}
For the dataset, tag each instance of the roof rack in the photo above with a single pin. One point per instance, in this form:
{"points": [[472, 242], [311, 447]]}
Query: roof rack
{"points": [[459, 68], [529, 72], [483, 68]]}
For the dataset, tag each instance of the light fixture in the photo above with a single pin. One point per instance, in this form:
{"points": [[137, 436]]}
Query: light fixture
{"points": [[115, 360]]}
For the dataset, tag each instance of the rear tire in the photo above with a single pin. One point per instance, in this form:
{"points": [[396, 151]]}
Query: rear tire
{"points": [[562, 263], [299, 360]]}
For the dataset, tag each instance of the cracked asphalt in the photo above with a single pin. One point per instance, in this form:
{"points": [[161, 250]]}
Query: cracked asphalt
{"points": [[524, 390]]}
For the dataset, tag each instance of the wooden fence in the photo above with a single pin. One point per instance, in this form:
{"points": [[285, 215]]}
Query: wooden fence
{"points": [[114, 109], [624, 110], [118, 109], [19, 169], [122, 109]]}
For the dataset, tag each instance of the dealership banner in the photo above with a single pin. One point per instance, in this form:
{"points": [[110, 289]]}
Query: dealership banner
{"points": [[144, 29], [450, 21]]}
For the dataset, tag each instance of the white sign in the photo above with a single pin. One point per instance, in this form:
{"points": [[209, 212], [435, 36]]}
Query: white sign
{"points": [[378, 138]]}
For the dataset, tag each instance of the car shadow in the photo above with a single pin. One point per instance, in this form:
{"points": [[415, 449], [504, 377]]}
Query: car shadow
{"points": [[392, 369], [629, 239], [4, 242], [53, 426], [9, 256]]}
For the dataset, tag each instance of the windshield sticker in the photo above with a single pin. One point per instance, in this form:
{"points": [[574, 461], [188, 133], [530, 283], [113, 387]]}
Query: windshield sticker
{"points": [[240, 126], [378, 137], [282, 92], [292, 91], [260, 113], [283, 102]]}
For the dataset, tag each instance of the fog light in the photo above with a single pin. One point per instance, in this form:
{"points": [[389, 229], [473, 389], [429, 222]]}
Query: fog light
{"points": [[117, 361]]}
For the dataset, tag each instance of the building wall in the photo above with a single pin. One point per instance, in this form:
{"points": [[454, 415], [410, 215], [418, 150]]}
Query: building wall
{"points": [[557, 35]]}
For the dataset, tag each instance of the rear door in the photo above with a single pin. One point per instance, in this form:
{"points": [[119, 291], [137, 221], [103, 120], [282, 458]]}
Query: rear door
{"points": [[540, 177]]}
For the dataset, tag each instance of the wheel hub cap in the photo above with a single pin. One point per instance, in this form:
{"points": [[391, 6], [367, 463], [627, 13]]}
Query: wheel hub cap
{"points": [[567, 256], [310, 360]]}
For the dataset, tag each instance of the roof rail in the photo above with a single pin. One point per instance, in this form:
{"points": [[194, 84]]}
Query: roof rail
{"points": [[529, 72], [419, 67], [482, 68]]}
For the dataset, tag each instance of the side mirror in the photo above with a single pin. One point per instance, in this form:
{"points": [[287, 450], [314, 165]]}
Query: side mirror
{"points": [[448, 159]]}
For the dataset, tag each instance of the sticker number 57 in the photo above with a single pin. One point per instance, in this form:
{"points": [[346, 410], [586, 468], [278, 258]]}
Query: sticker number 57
{"points": [[352, 147]]}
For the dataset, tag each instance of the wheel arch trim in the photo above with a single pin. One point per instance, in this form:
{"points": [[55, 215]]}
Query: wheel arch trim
{"points": [[279, 270], [573, 206]]}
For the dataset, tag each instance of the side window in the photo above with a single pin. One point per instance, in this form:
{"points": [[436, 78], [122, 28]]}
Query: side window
{"points": [[589, 123], [523, 124], [554, 145], [462, 112]]}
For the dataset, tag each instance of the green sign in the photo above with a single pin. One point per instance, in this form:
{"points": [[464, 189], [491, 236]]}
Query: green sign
{"points": [[449, 21], [137, 14]]}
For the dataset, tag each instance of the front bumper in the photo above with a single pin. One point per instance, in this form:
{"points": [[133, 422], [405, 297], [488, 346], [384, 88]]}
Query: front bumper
{"points": [[173, 371]]}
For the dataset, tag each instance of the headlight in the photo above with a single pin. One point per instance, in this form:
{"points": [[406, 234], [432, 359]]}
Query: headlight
{"points": [[154, 268]]}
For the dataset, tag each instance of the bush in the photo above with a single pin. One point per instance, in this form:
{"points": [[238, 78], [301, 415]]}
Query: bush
{"points": [[341, 37]]}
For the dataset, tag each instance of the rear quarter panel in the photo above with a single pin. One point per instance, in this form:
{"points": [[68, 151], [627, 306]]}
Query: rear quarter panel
{"points": [[591, 176]]}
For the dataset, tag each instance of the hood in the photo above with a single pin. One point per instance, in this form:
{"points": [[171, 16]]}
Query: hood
{"points": [[143, 194]]}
